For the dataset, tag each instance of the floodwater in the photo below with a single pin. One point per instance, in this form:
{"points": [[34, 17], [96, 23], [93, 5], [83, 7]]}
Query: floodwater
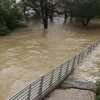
{"points": [[89, 69], [28, 53]]}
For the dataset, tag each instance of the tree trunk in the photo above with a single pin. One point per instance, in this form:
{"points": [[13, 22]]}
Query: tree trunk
{"points": [[65, 16], [45, 22], [85, 22], [44, 11], [51, 11], [46, 15], [71, 19], [88, 20], [51, 15]]}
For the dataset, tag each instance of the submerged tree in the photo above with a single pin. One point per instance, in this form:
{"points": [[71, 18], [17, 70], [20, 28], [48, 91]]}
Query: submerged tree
{"points": [[85, 10], [63, 6], [42, 8]]}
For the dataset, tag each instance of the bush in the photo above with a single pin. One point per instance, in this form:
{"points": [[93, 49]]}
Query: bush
{"points": [[22, 25], [10, 16], [98, 97], [98, 90], [3, 28]]}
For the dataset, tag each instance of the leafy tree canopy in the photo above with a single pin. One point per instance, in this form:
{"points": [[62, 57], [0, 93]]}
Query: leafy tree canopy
{"points": [[10, 16], [85, 10]]}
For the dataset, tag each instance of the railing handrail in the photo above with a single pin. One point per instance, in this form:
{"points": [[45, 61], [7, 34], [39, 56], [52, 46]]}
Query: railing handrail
{"points": [[47, 82]]}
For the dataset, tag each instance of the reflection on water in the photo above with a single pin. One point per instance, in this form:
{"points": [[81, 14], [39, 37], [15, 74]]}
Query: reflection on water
{"points": [[27, 53]]}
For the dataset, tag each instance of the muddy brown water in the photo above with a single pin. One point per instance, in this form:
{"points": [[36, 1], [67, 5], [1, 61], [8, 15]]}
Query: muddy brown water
{"points": [[28, 53]]}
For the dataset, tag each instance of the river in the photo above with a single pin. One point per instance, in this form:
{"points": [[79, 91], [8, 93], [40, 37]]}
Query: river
{"points": [[28, 53]]}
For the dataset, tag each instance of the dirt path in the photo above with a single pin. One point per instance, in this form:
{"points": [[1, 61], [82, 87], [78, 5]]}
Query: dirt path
{"points": [[71, 94]]}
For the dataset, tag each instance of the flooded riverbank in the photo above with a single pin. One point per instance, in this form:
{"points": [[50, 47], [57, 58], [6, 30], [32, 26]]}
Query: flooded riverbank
{"points": [[27, 53], [89, 69]]}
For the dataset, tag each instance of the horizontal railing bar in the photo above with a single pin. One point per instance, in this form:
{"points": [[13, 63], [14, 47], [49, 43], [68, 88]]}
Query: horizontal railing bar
{"points": [[46, 81], [34, 92], [49, 76], [56, 75], [24, 93], [19, 93], [34, 97], [36, 81], [35, 89], [27, 86], [23, 98], [45, 75], [45, 84], [35, 85]]}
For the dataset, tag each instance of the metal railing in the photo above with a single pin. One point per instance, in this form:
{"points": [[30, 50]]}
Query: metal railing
{"points": [[46, 83]]}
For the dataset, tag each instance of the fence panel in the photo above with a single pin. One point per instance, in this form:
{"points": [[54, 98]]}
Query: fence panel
{"points": [[36, 89]]}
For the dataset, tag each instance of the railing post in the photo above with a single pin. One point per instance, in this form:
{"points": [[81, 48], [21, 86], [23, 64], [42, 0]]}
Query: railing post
{"points": [[59, 77], [96, 43], [81, 58], [29, 93], [67, 68], [90, 48], [74, 62], [93, 46], [88, 51], [51, 80], [78, 59], [83, 55], [40, 87]]}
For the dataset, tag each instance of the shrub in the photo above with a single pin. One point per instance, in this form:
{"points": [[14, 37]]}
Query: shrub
{"points": [[98, 90], [10, 16], [3, 28]]}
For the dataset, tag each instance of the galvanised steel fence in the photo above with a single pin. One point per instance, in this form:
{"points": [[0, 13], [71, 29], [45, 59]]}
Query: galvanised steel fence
{"points": [[46, 83]]}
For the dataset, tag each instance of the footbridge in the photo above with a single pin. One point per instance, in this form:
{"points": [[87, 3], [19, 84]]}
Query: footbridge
{"points": [[42, 86]]}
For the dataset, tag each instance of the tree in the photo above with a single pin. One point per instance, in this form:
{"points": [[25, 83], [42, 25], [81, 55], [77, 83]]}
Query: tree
{"points": [[10, 16], [43, 8], [85, 10], [67, 4], [40, 7], [53, 8]]}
